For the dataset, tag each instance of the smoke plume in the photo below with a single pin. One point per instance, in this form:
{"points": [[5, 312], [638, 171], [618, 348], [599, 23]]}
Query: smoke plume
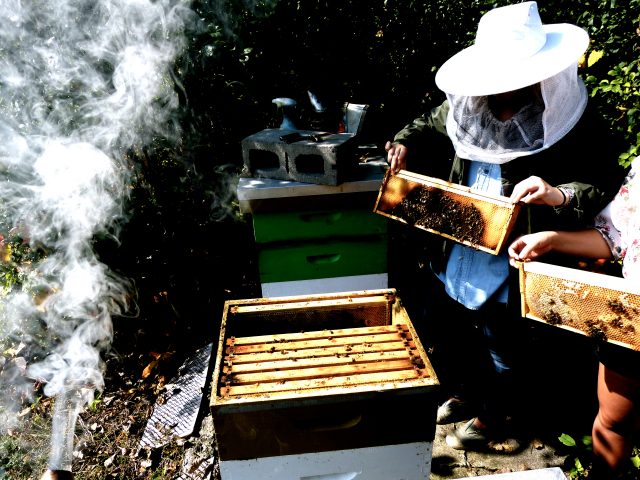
{"points": [[82, 82]]}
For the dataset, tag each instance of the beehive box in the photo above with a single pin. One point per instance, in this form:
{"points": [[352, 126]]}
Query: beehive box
{"points": [[456, 212], [335, 258], [318, 238], [327, 372], [594, 304]]}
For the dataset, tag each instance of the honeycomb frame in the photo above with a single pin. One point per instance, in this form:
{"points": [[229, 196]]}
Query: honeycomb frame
{"points": [[496, 214], [597, 305]]}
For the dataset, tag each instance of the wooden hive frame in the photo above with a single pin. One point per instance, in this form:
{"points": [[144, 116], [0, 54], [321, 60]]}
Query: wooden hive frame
{"points": [[321, 360], [593, 304], [293, 364], [498, 213]]}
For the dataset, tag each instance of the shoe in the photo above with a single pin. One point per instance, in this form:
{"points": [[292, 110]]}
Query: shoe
{"points": [[452, 411], [468, 437]]}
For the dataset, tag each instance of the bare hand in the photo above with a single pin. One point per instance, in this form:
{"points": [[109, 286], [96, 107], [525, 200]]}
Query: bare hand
{"points": [[530, 247], [396, 156], [536, 190]]}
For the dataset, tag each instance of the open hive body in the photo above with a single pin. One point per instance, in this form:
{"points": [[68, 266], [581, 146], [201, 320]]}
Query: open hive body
{"points": [[330, 384], [600, 306], [473, 218]]}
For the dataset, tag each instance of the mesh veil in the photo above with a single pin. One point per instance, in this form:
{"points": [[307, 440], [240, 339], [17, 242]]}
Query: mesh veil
{"points": [[477, 135]]}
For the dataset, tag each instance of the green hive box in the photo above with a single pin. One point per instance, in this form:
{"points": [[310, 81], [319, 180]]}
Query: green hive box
{"points": [[323, 259], [317, 238], [317, 224]]}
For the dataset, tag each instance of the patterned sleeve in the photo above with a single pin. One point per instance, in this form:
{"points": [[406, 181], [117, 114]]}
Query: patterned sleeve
{"points": [[609, 232], [618, 221]]}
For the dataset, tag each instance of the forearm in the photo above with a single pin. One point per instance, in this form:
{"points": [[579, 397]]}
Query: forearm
{"points": [[586, 243]]}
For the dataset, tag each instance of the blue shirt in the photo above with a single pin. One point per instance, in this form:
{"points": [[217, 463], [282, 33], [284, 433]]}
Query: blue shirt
{"points": [[472, 276]]}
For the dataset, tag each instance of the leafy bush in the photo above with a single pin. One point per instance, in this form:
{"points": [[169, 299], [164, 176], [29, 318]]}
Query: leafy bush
{"points": [[385, 54], [580, 458]]}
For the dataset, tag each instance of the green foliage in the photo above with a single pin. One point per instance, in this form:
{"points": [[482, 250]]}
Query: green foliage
{"points": [[580, 458], [21, 451], [613, 79], [95, 403], [16, 273], [12, 456], [621, 91], [383, 53]]}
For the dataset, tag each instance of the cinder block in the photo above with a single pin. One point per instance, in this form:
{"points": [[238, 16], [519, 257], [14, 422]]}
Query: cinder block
{"points": [[264, 154], [325, 162], [311, 157]]}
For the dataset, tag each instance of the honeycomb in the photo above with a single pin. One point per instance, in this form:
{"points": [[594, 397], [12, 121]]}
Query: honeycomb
{"points": [[452, 211], [600, 306]]}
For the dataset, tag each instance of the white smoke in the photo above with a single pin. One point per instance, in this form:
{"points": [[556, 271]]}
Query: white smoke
{"points": [[81, 83]]}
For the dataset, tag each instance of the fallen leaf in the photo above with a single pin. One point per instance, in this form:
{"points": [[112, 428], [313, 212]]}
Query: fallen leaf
{"points": [[24, 412], [157, 357], [149, 368], [109, 460]]}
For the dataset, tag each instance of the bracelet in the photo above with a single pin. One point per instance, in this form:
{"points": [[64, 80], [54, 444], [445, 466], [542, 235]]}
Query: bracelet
{"points": [[567, 195], [564, 197]]}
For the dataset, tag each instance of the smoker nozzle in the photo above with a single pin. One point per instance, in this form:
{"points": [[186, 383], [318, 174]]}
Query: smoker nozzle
{"points": [[57, 475]]}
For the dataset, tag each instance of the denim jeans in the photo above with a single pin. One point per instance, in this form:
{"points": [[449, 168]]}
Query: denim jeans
{"points": [[475, 353]]}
